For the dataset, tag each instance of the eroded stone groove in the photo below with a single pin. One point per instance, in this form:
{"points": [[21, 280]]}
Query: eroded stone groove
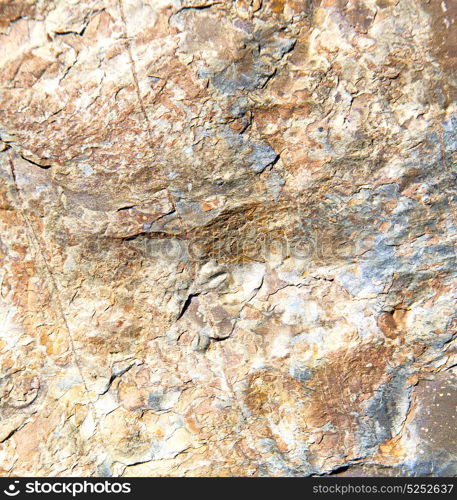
{"points": [[228, 237]]}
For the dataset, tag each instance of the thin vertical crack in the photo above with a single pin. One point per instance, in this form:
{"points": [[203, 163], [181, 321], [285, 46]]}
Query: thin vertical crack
{"points": [[134, 72], [145, 114], [39, 248]]}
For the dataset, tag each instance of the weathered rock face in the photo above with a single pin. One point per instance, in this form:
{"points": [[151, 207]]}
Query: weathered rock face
{"points": [[228, 237]]}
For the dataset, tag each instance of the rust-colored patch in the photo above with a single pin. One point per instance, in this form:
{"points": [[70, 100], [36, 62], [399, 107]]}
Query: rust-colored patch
{"points": [[443, 42], [267, 391], [345, 382], [395, 323], [277, 6], [340, 389], [383, 4], [359, 16], [387, 325]]}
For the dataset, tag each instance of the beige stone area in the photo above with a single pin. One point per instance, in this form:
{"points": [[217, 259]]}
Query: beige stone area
{"points": [[228, 237]]}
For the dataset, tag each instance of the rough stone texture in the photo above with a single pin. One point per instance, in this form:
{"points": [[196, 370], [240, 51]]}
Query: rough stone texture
{"points": [[228, 237]]}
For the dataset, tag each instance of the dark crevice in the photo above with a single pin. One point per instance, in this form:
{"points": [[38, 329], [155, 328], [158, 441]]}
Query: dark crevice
{"points": [[338, 470], [128, 207], [63, 33], [272, 163], [186, 305], [44, 167], [172, 211], [113, 377], [86, 21], [194, 7], [133, 237], [289, 49], [268, 79], [221, 339], [12, 433], [198, 7], [152, 235]]}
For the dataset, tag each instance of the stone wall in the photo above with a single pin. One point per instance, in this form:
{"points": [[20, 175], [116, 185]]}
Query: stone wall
{"points": [[228, 237]]}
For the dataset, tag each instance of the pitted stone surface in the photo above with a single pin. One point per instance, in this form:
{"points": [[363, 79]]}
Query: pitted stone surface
{"points": [[228, 237]]}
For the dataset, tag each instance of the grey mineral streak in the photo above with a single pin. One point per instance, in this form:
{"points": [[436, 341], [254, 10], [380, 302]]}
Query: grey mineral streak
{"points": [[227, 237]]}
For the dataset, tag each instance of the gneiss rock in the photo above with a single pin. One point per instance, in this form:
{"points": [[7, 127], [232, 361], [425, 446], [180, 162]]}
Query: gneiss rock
{"points": [[228, 237]]}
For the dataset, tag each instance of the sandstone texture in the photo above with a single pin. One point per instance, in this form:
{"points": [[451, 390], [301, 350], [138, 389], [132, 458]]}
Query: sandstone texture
{"points": [[228, 237]]}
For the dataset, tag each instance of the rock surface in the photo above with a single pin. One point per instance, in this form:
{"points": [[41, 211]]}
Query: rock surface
{"points": [[228, 237]]}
